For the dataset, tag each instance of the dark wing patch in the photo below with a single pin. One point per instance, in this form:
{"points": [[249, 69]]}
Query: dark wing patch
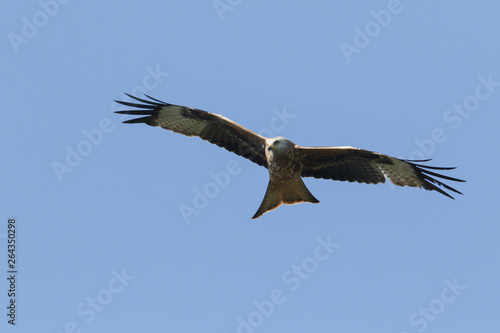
{"points": [[208, 126], [341, 163], [364, 166]]}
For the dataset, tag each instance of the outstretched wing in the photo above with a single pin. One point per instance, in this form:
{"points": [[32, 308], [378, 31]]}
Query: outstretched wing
{"points": [[364, 166], [211, 127]]}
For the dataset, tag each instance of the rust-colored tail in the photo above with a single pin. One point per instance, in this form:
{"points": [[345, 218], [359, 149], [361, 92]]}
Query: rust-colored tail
{"points": [[291, 192]]}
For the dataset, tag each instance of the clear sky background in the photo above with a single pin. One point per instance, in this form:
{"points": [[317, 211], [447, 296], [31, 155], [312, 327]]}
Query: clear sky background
{"points": [[102, 245]]}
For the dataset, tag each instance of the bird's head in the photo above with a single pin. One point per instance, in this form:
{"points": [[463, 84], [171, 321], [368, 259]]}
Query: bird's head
{"points": [[280, 144]]}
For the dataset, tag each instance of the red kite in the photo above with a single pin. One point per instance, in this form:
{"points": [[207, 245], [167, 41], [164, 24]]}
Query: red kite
{"points": [[286, 161]]}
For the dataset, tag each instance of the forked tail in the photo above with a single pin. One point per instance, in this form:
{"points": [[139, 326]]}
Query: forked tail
{"points": [[291, 192]]}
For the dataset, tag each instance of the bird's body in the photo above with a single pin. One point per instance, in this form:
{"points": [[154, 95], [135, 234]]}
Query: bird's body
{"points": [[287, 162], [285, 182]]}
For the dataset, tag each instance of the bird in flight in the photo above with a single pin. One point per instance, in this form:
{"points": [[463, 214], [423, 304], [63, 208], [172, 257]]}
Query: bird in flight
{"points": [[287, 162]]}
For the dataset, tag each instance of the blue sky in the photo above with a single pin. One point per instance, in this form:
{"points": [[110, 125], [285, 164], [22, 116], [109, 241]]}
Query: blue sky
{"points": [[102, 244]]}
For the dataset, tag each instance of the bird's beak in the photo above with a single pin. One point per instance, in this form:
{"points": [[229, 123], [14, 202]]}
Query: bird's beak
{"points": [[271, 147]]}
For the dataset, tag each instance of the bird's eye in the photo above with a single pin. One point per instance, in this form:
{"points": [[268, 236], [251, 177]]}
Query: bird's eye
{"points": [[277, 142]]}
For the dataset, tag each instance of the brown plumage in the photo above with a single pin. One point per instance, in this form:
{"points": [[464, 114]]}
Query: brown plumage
{"points": [[286, 161]]}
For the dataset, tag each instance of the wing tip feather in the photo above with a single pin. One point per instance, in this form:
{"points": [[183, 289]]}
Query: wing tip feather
{"points": [[428, 181], [149, 109]]}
